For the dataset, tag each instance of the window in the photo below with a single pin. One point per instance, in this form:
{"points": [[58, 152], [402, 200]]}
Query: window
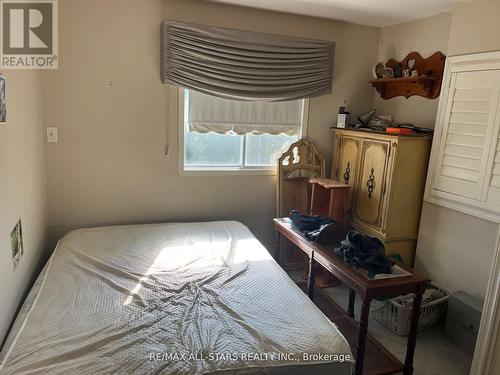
{"points": [[226, 135]]}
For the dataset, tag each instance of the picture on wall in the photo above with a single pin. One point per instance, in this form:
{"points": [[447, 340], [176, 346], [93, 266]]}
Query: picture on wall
{"points": [[3, 104], [16, 239]]}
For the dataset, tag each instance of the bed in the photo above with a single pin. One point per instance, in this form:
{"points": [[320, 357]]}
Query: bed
{"points": [[187, 298]]}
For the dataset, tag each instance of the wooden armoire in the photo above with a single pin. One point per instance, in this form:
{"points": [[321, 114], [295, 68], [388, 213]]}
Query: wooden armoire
{"points": [[387, 177]]}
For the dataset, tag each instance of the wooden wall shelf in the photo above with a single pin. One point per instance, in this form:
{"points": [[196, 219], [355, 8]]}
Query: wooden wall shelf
{"points": [[427, 84]]}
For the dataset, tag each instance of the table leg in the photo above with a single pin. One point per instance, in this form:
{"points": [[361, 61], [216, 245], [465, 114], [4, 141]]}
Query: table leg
{"points": [[352, 299], [310, 278], [278, 248], [363, 331], [412, 336]]}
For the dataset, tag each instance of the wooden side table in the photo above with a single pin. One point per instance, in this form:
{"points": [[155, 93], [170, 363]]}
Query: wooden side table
{"points": [[379, 360]]}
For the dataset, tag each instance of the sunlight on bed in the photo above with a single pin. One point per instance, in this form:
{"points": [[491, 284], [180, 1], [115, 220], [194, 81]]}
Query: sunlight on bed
{"points": [[202, 254], [196, 255]]}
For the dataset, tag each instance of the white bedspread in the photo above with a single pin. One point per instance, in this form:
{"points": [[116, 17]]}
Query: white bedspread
{"points": [[191, 298]]}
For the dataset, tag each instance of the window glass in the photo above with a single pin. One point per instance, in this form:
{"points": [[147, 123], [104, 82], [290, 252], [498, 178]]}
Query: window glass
{"points": [[264, 150], [221, 151], [211, 149]]}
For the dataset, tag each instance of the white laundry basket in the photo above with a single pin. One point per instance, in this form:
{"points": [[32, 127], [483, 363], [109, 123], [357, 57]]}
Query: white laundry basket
{"points": [[396, 317]]}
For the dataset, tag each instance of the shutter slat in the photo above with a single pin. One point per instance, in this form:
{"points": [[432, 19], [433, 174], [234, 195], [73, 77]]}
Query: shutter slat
{"points": [[471, 106], [459, 162], [468, 129], [469, 118], [473, 94], [463, 151], [459, 173], [465, 140]]}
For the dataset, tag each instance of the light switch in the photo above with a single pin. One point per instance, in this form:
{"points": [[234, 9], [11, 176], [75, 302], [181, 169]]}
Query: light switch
{"points": [[51, 134]]}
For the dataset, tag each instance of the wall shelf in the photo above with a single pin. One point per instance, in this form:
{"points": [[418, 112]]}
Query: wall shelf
{"points": [[427, 84]]}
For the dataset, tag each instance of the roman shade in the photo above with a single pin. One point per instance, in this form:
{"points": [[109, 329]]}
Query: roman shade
{"points": [[242, 65], [208, 113]]}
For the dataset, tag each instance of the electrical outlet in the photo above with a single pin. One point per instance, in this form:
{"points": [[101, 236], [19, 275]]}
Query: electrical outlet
{"points": [[51, 134]]}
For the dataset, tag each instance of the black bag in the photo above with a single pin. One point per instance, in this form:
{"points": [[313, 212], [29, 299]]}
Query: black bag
{"points": [[311, 226]]}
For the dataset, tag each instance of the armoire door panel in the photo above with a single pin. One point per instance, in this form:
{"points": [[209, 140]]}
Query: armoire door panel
{"points": [[368, 201], [347, 165]]}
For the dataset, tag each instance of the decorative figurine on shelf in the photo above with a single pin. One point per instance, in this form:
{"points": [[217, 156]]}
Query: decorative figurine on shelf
{"points": [[406, 72], [398, 70], [381, 71], [411, 63]]}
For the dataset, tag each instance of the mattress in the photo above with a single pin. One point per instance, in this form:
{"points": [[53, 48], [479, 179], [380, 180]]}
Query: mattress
{"points": [[190, 298]]}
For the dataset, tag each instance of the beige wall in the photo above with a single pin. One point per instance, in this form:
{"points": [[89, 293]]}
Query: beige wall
{"points": [[475, 27], [454, 249], [449, 251], [109, 165], [425, 36], [22, 189], [457, 249]]}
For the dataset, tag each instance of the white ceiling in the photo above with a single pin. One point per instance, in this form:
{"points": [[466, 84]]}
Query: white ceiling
{"points": [[365, 12]]}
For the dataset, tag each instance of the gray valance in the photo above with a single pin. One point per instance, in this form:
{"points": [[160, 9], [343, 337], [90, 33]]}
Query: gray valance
{"points": [[242, 65]]}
